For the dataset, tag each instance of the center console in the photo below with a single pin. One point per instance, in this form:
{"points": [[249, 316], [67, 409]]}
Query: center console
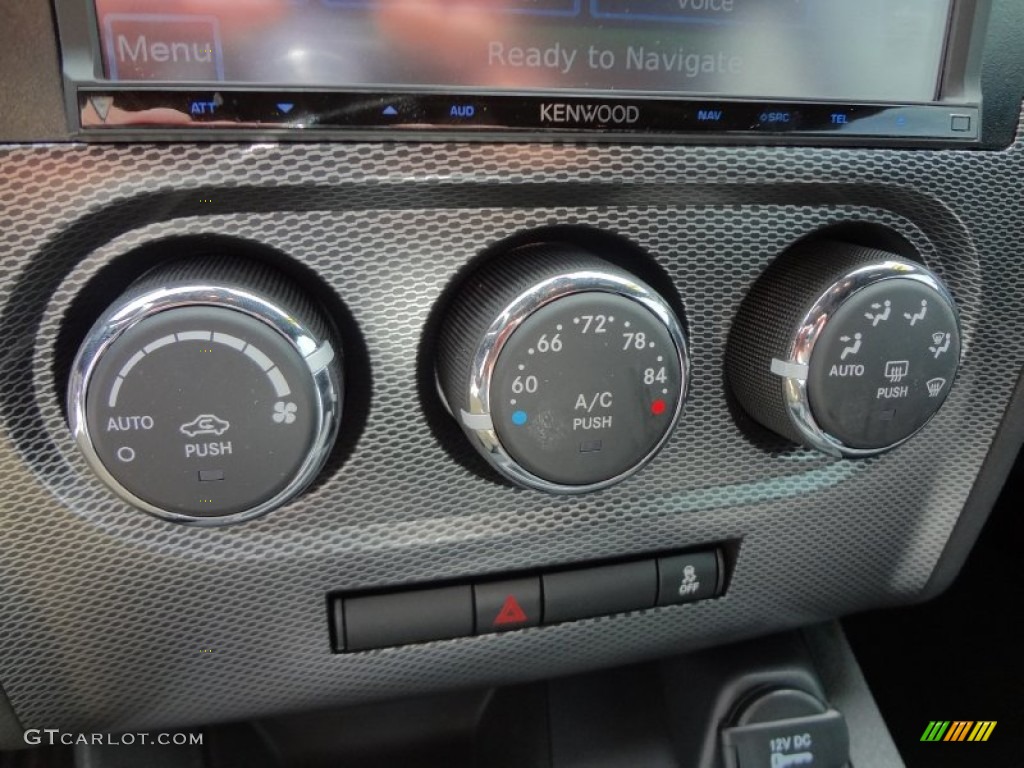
{"points": [[358, 351]]}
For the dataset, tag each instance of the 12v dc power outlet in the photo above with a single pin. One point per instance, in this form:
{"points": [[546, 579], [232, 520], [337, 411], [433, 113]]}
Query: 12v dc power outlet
{"points": [[787, 728]]}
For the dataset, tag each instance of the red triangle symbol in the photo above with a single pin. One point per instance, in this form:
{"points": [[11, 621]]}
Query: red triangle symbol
{"points": [[511, 613]]}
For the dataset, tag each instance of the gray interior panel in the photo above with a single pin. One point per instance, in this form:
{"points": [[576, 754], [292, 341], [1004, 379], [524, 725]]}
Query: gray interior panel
{"points": [[31, 97], [871, 745]]}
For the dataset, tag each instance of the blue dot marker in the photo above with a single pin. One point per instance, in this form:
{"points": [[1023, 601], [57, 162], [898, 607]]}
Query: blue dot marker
{"points": [[519, 418]]}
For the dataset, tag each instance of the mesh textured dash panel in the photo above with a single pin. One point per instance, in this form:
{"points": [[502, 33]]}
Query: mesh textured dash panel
{"points": [[104, 610]]}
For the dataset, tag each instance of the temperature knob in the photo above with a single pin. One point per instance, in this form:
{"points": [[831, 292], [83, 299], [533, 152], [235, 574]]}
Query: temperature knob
{"points": [[846, 349], [566, 372], [209, 393]]}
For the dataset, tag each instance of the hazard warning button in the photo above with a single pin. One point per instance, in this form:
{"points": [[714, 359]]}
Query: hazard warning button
{"points": [[504, 605]]}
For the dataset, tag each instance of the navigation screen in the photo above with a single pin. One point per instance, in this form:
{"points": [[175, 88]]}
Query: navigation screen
{"points": [[868, 50]]}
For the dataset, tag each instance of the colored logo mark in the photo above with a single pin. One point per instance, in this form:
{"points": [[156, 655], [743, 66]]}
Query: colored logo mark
{"points": [[958, 730]]}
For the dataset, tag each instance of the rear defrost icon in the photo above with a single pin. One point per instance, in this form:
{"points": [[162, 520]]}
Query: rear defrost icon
{"points": [[897, 370]]}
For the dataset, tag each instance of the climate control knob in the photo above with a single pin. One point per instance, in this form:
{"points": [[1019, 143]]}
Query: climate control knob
{"points": [[566, 372], [209, 393], [846, 349]]}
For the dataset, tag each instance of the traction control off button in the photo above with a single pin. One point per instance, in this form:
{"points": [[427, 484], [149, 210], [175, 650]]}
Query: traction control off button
{"points": [[685, 578]]}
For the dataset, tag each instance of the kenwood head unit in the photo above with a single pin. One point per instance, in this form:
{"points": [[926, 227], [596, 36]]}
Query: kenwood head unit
{"points": [[809, 71]]}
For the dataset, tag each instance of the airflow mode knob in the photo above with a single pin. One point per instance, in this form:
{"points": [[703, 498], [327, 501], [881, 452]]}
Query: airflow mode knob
{"points": [[846, 349]]}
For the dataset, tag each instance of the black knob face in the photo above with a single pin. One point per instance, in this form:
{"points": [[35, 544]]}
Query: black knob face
{"points": [[883, 364], [585, 386], [846, 349], [566, 372], [201, 401]]}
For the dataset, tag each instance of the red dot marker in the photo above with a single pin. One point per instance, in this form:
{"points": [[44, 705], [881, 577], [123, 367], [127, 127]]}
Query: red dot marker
{"points": [[658, 407]]}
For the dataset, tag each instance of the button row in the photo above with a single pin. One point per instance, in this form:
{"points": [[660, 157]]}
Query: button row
{"points": [[310, 111], [418, 616]]}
